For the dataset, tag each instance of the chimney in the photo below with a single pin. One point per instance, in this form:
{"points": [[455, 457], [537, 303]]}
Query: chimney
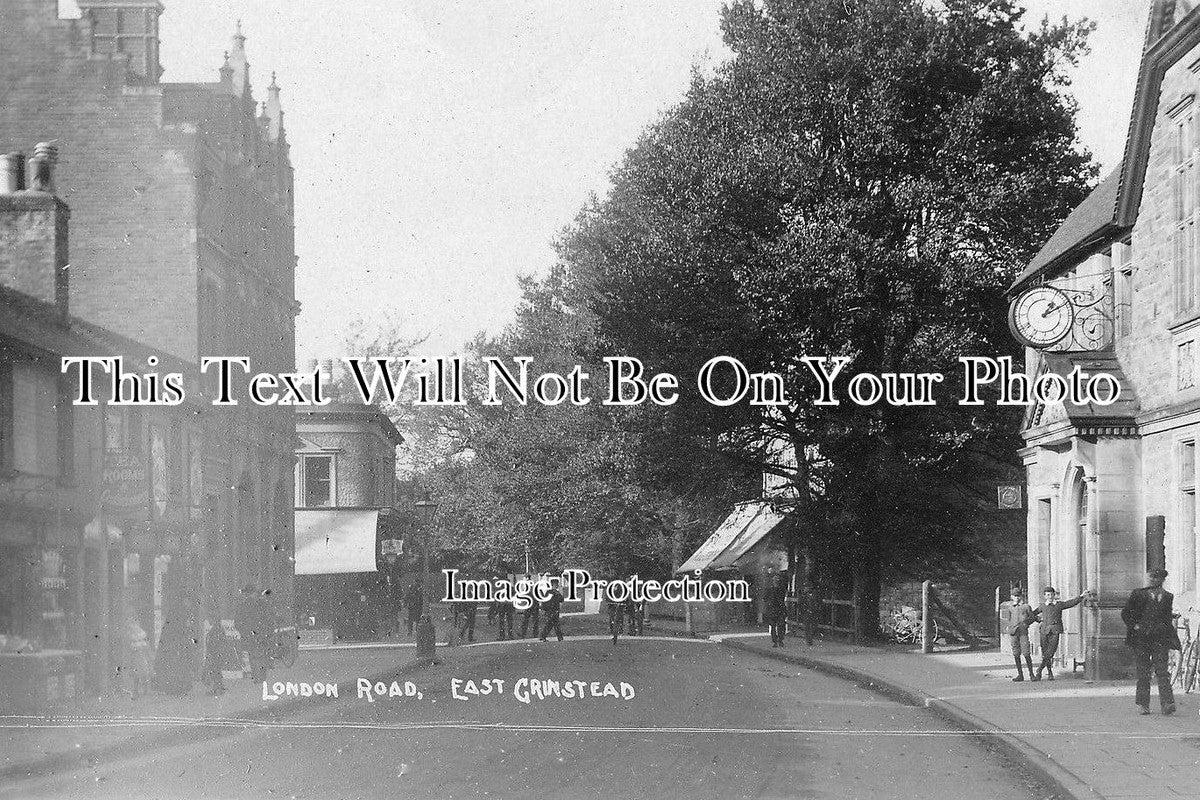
{"points": [[12, 173], [33, 230], [41, 167], [124, 29]]}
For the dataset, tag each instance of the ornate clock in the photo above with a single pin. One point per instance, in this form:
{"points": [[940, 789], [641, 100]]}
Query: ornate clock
{"points": [[1041, 316]]}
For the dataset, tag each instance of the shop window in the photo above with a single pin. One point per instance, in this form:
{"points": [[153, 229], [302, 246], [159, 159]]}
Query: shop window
{"points": [[123, 430], [317, 481]]}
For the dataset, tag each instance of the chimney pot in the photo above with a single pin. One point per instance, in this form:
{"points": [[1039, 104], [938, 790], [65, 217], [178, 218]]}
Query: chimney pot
{"points": [[12, 172]]}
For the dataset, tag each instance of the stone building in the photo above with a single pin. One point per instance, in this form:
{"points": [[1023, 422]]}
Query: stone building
{"points": [[1112, 488], [350, 531], [182, 240]]}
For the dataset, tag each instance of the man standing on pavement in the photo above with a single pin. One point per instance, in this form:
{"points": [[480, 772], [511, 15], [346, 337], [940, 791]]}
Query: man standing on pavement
{"points": [[1050, 613], [635, 613], [468, 609], [616, 619], [530, 613], [1016, 616], [1150, 631], [504, 610], [776, 613], [551, 608], [414, 599], [250, 621]]}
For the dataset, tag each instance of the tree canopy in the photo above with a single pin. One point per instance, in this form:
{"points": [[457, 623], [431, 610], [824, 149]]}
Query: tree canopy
{"points": [[861, 178]]}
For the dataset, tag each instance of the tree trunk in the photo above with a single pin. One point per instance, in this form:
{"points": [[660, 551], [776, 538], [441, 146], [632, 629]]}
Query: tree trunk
{"points": [[867, 587]]}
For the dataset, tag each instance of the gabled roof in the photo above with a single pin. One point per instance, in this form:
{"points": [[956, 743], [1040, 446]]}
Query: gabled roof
{"points": [[1173, 31], [1091, 223]]}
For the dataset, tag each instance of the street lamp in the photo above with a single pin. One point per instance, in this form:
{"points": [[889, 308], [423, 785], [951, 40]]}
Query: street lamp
{"points": [[426, 637]]}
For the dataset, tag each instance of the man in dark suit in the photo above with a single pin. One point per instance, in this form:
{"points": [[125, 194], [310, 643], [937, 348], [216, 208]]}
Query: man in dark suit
{"points": [[552, 608], [1150, 631]]}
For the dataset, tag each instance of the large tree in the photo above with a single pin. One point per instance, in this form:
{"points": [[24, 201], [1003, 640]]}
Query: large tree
{"points": [[863, 178]]}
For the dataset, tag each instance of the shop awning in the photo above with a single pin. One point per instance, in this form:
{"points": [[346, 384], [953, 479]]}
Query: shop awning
{"points": [[763, 523], [745, 526], [333, 542]]}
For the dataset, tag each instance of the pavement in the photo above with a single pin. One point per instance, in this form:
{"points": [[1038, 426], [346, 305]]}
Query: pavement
{"points": [[1086, 739], [1083, 739]]}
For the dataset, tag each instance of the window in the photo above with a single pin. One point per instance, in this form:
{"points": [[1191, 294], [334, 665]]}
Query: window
{"points": [[1123, 287], [1183, 190], [123, 430], [316, 481], [66, 432], [175, 463], [1187, 514], [1184, 363]]}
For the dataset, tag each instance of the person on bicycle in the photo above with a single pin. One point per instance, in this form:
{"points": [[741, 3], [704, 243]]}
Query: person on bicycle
{"points": [[1150, 631], [1016, 616]]}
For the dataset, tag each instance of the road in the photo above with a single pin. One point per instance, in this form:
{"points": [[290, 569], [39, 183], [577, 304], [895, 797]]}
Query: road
{"points": [[706, 722]]}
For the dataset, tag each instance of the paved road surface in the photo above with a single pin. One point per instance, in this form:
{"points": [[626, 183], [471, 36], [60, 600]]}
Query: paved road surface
{"points": [[707, 722]]}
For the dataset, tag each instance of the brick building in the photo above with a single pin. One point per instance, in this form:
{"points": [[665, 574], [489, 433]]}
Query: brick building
{"points": [[1112, 489], [82, 554], [182, 240], [349, 527]]}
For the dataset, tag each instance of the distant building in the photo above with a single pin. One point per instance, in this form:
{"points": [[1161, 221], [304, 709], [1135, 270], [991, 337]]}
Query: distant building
{"points": [[1112, 488], [182, 241], [350, 536]]}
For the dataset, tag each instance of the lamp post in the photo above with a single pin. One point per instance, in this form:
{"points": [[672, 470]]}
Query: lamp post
{"points": [[426, 637]]}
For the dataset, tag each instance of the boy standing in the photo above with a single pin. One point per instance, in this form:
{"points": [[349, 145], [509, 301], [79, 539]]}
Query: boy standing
{"points": [[1015, 617], [1050, 613]]}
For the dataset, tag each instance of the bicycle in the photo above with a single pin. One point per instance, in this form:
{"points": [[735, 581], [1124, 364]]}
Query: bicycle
{"points": [[1184, 664], [903, 625]]}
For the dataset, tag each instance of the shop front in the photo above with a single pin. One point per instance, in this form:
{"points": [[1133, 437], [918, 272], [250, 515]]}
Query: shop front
{"points": [[42, 598], [348, 570]]}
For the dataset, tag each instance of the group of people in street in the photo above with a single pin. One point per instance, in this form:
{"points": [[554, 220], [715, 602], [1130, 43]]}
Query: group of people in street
{"points": [[169, 667], [629, 613], [1150, 632], [254, 621], [544, 617]]}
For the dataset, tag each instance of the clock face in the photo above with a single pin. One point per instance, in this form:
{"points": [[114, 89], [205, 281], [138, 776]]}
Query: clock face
{"points": [[1041, 316]]}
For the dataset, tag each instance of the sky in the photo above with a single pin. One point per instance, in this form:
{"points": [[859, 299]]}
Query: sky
{"points": [[441, 146]]}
